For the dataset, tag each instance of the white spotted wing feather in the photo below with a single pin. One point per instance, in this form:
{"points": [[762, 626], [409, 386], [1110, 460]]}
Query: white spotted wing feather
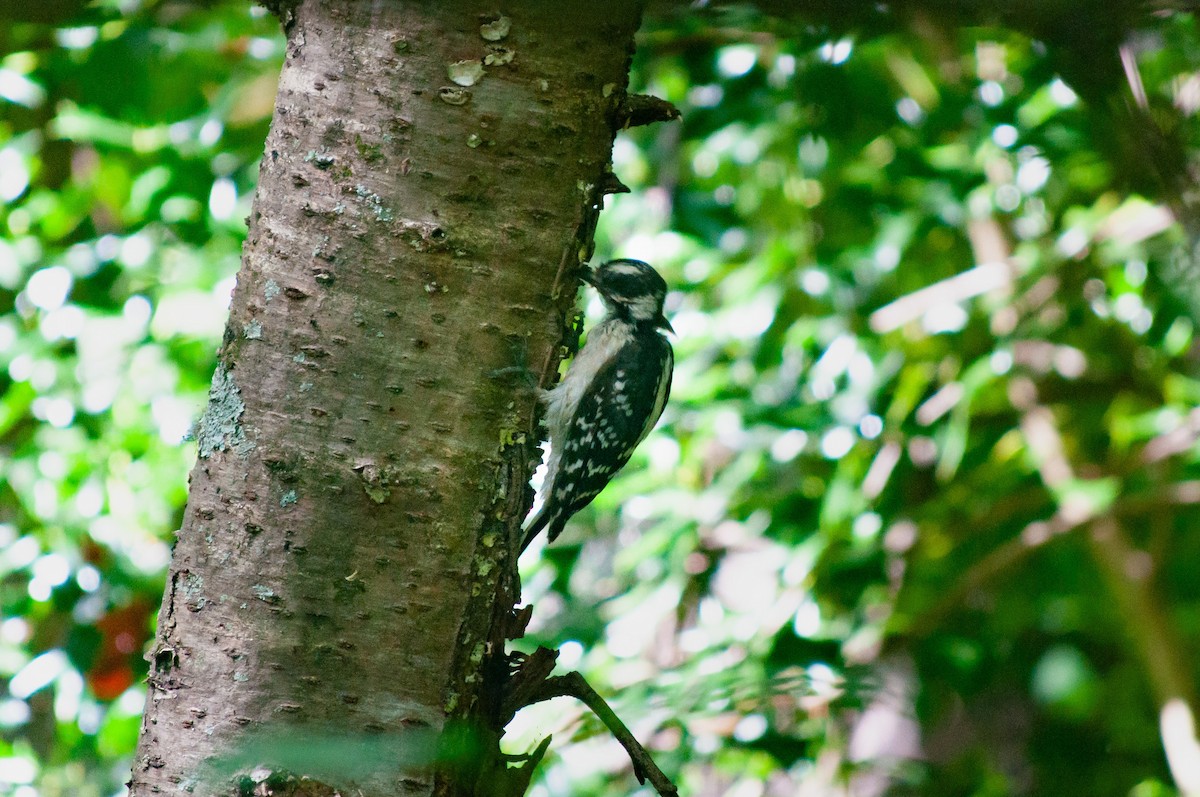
{"points": [[609, 400]]}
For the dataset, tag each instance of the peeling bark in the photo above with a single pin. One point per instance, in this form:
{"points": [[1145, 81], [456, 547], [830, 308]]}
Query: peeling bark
{"points": [[345, 575]]}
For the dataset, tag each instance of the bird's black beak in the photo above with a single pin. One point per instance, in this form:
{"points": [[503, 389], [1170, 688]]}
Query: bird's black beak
{"points": [[663, 323], [588, 276]]}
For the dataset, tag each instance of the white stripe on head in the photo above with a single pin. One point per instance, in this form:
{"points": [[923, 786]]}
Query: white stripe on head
{"points": [[627, 268], [645, 308]]}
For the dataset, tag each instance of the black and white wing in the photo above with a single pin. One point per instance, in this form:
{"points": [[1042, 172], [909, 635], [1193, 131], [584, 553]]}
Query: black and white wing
{"points": [[618, 410]]}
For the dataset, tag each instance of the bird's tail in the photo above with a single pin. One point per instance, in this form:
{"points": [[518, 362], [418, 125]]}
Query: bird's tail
{"points": [[548, 516], [539, 522]]}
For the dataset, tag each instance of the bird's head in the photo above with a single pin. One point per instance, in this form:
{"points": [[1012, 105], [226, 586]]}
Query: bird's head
{"points": [[632, 290]]}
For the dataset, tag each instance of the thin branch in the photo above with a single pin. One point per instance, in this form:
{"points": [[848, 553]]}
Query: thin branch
{"points": [[981, 279], [574, 685], [1008, 555], [1129, 575]]}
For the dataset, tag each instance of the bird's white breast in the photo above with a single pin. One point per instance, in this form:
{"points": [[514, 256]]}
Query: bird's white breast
{"points": [[561, 401]]}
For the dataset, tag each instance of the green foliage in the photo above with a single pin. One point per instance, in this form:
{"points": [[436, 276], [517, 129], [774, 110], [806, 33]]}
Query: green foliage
{"points": [[129, 141], [935, 329], [920, 511]]}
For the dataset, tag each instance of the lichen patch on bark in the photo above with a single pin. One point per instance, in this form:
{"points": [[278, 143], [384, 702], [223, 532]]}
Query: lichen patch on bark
{"points": [[220, 427]]}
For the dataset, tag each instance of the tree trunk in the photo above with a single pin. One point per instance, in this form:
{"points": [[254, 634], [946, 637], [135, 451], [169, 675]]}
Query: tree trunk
{"points": [[340, 588]]}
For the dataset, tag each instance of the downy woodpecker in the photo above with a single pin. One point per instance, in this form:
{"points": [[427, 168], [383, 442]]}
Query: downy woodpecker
{"points": [[611, 397]]}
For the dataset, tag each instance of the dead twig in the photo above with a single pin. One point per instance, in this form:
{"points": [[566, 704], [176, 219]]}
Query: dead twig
{"points": [[574, 685]]}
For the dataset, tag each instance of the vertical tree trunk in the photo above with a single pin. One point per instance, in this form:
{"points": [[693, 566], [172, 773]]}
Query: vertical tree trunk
{"points": [[346, 560]]}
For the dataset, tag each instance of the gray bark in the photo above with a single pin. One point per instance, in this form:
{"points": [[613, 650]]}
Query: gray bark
{"points": [[339, 589]]}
